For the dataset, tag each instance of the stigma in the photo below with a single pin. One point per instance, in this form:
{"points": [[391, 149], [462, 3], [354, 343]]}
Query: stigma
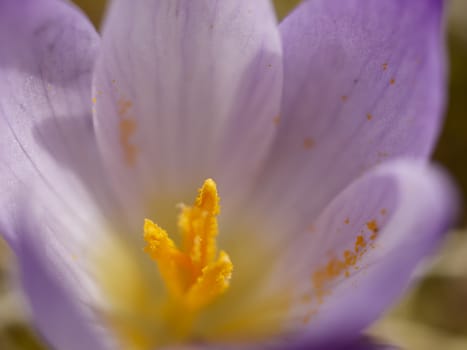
{"points": [[194, 274]]}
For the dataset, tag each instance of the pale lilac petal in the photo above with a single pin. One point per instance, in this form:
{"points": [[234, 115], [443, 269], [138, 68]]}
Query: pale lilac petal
{"points": [[186, 90], [360, 254], [46, 140], [364, 82], [55, 248], [46, 132], [59, 314]]}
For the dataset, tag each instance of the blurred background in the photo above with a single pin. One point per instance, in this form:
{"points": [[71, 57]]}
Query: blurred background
{"points": [[433, 314]]}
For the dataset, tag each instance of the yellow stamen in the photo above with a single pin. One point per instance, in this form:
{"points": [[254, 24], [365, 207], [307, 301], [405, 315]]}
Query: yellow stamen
{"points": [[193, 276], [213, 281]]}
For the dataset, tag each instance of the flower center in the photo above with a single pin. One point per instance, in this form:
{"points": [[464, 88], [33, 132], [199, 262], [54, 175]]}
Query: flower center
{"points": [[194, 275], [181, 291]]}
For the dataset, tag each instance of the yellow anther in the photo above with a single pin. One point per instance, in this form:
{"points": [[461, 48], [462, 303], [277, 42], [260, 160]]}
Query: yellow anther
{"points": [[170, 260], [193, 275], [208, 198], [214, 280]]}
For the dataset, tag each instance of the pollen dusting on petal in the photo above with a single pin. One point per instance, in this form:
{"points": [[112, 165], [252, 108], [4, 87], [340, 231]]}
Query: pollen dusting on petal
{"points": [[372, 226], [385, 66], [340, 265], [344, 98], [127, 128], [350, 258], [360, 243], [309, 315], [369, 116], [392, 81]]}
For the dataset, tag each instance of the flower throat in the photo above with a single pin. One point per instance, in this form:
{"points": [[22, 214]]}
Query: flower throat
{"points": [[194, 275]]}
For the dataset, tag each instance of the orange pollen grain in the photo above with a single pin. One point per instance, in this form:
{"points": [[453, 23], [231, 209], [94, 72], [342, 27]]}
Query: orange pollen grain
{"points": [[276, 120], [127, 129], [307, 318], [350, 258], [308, 143], [373, 227], [360, 243]]}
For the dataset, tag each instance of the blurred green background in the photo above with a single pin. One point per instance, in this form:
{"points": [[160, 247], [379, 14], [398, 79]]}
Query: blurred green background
{"points": [[434, 314]]}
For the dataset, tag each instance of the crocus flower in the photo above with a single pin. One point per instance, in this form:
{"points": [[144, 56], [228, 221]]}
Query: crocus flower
{"points": [[203, 176]]}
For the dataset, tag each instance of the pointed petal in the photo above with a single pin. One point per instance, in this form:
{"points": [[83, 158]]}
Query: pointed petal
{"points": [[59, 312], [46, 143], [186, 90], [364, 248], [45, 99], [364, 82], [55, 249]]}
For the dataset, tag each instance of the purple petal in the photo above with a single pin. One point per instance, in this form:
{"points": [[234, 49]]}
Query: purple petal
{"points": [[45, 99], [56, 246], [359, 256], [364, 82], [186, 90], [59, 314], [46, 128]]}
